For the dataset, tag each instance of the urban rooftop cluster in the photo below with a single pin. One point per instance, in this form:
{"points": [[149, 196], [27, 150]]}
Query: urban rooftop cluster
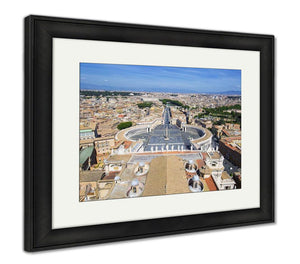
{"points": [[141, 144]]}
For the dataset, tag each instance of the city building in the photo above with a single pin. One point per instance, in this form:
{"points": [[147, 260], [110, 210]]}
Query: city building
{"points": [[230, 147], [103, 145], [87, 134], [160, 153], [87, 157], [206, 123]]}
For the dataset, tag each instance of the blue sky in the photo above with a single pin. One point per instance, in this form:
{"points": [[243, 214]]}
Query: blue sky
{"points": [[139, 78]]}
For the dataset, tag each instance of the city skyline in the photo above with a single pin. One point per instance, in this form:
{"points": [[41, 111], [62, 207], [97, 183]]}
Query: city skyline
{"points": [[158, 130], [141, 78], [149, 145]]}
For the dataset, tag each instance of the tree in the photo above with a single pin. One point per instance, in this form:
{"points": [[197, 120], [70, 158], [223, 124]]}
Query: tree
{"points": [[220, 122], [172, 102], [124, 125], [145, 104]]}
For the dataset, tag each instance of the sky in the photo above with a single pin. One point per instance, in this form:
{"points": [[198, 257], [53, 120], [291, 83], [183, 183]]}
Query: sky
{"points": [[140, 78]]}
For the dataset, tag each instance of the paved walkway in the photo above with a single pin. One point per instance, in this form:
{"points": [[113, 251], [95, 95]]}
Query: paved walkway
{"points": [[167, 136]]}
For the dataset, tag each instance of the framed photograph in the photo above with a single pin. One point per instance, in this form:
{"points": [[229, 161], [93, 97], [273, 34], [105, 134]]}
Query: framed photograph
{"points": [[135, 131]]}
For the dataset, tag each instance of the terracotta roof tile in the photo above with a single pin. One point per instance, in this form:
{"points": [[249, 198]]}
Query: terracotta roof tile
{"points": [[211, 184], [200, 163]]}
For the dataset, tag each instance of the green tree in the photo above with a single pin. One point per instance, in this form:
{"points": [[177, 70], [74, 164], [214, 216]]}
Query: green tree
{"points": [[220, 122], [145, 104], [124, 125], [173, 102]]}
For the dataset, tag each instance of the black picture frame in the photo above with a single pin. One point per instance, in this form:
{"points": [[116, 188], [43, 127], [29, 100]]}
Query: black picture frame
{"points": [[39, 32]]}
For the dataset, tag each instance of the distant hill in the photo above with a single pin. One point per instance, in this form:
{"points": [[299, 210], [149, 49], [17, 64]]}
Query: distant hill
{"points": [[226, 93], [232, 92], [154, 90]]}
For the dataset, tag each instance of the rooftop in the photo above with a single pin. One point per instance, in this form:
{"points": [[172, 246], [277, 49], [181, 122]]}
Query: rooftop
{"points": [[166, 176], [214, 155], [211, 184], [85, 130], [85, 154], [225, 175], [90, 176], [233, 143], [123, 158]]}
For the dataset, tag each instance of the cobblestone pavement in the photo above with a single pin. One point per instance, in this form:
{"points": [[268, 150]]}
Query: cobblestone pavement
{"points": [[166, 134]]}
